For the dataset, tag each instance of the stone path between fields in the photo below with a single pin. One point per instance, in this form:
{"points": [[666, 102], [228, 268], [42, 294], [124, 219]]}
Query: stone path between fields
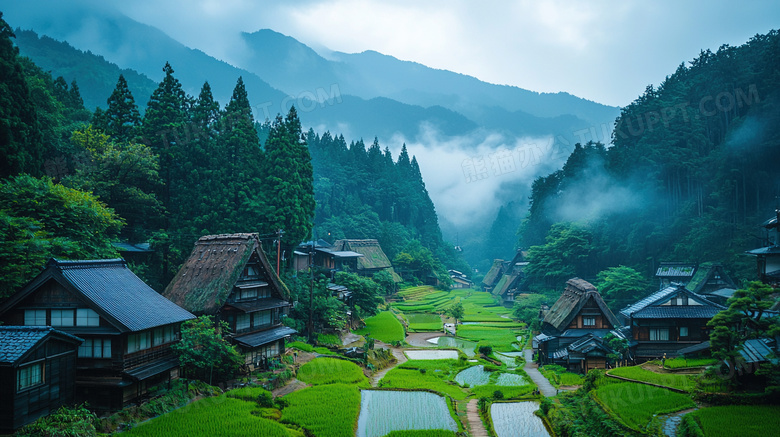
{"points": [[536, 376], [475, 422], [673, 421]]}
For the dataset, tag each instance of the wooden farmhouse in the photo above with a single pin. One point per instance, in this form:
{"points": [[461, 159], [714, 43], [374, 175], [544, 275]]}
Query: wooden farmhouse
{"points": [[37, 373], [127, 327], [373, 259], [574, 328], [667, 321], [768, 256], [324, 257], [493, 275], [229, 277]]}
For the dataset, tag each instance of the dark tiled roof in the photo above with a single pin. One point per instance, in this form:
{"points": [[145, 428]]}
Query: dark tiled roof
{"points": [[154, 368], [757, 351], [264, 337], [16, 341], [769, 250], [695, 348], [120, 294], [649, 307], [677, 312], [259, 304]]}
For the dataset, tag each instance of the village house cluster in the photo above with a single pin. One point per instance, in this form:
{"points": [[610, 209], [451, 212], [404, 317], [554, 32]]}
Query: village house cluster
{"points": [[92, 331]]}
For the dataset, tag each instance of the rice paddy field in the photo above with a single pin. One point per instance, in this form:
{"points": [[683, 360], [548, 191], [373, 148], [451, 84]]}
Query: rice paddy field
{"points": [[732, 420], [501, 339], [212, 416], [638, 373], [331, 371], [382, 412], [416, 379], [424, 322], [635, 405], [383, 327], [325, 410], [517, 419]]}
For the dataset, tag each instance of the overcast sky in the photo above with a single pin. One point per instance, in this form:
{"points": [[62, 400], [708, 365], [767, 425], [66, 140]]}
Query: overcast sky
{"points": [[606, 51]]}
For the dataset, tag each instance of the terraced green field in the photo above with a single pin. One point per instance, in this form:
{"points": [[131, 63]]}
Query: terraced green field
{"points": [[636, 404], [383, 327]]}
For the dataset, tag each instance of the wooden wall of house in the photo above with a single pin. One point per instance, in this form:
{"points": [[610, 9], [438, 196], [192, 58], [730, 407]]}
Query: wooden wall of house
{"points": [[19, 408]]}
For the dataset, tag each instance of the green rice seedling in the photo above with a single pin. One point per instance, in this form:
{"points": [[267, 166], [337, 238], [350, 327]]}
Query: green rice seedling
{"points": [[487, 391], [679, 363], [415, 379], [424, 322], [501, 340], [638, 373], [739, 420], [220, 415], [383, 327], [331, 371], [301, 346], [329, 339], [325, 410], [635, 404]]}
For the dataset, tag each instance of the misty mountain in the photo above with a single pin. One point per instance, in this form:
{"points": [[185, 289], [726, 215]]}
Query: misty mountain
{"points": [[95, 76]]}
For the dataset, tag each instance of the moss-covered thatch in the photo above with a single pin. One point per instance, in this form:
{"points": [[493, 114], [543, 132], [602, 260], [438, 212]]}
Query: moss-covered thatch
{"points": [[209, 275]]}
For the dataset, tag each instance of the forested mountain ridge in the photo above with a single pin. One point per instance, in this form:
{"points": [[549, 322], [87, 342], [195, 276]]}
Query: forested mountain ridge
{"points": [[409, 95], [691, 172]]}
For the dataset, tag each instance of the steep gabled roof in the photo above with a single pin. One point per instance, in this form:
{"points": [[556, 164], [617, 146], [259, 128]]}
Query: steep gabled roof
{"points": [[205, 281], [373, 255], [650, 307], [494, 274], [507, 282], [17, 341], [577, 293], [710, 272], [112, 290]]}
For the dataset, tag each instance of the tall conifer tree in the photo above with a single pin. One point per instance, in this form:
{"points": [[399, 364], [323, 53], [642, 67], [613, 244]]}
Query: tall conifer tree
{"points": [[121, 118]]}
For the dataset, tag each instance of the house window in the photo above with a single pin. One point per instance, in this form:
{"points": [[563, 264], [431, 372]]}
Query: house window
{"points": [[29, 376], [61, 317], [588, 321], [251, 270], [138, 342], [247, 293], [163, 335], [242, 322], [264, 292], [262, 318], [659, 334], [87, 317], [35, 317], [683, 331], [95, 348]]}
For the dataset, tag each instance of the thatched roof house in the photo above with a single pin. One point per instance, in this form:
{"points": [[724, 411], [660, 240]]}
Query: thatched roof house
{"points": [[208, 277], [373, 259], [580, 306], [229, 276]]}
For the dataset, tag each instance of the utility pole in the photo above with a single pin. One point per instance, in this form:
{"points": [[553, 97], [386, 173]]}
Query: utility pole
{"points": [[278, 250], [311, 292]]}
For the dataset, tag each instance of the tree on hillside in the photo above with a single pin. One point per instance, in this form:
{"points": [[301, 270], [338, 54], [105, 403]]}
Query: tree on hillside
{"points": [[288, 181], [121, 119], [124, 176], [21, 149], [40, 219], [621, 286], [563, 256]]}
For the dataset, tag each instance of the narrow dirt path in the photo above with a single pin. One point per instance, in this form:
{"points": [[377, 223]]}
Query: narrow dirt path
{"points": [[291, 386], [397, 352], [532, 370], [475, 423]]}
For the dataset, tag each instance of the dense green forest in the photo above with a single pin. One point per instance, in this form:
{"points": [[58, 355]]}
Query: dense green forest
{"points": [[691, 173], [74, 181]]}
